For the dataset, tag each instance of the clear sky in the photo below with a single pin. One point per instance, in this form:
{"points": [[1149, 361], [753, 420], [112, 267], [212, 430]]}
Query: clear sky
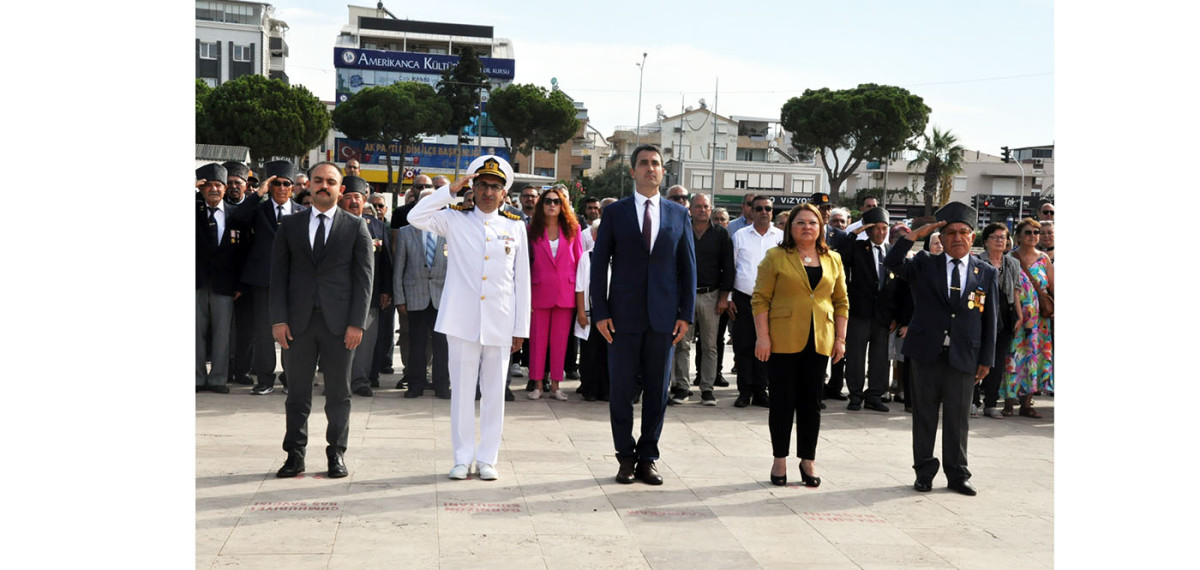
{"points": [[985, 68]]}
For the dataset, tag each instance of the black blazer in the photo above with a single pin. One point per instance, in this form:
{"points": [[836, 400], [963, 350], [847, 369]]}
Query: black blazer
{"points": [[256, 216], [342, 276], [218, 266], [867, 300], [972, 331]]}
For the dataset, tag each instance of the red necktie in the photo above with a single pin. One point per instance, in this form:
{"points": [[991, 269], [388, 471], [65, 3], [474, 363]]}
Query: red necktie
{"points": [[646, 224]]}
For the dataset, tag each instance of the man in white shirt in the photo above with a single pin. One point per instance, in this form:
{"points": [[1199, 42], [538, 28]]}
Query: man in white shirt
{"points": [[750, 245]]}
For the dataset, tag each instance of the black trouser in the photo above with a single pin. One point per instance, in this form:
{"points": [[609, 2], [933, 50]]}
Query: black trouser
{"points": [[752, 372], [866, 348], [241, 347], [646, 355], [420, 336], [593, 365], [989, 389], [796, 380], [316, 342], [837, 375], [264, 342], [571, 363], [937, 385], [384, 342]]}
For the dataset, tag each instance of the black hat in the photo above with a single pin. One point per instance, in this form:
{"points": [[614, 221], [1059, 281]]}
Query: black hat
{"points": [[956, 212], [819, 199], [279, 169], [356, 184], [238, 169], [212, 172], [874, 216]]}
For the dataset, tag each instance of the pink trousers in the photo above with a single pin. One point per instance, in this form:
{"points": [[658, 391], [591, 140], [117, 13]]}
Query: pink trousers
{"points": [[553, 325]]}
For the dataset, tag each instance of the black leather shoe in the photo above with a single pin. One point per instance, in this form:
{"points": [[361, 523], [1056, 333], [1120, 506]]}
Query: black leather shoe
{"points": [[387, 370], [923, 485], [442, 394], [219, 388], [877, 406], [293, 466], [809, 481], [589, 397], [837, 396], [742, 401], [572, 375], [625, 473], [337, 464], [508, 395], [854, 405], [364, 391], [965, 487], [761, 400], [413, 393], [201, 389], [648, 473], [244, 380], [721, 382], [401, 385], [375, 383], [778, 480]]}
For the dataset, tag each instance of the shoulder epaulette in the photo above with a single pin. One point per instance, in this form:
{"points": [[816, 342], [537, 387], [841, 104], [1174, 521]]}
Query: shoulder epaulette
{"points": [[460, 208], [509, 215]]}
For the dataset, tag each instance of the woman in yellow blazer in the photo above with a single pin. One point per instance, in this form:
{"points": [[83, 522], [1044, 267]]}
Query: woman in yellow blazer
{"points": [[800, 309]]}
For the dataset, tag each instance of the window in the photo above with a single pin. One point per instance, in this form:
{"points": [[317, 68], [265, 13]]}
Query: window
{"points": [[210, 81], [960, 183], [701, 181], [803, 185], [720, 153], [210, 50], [242, 53]]}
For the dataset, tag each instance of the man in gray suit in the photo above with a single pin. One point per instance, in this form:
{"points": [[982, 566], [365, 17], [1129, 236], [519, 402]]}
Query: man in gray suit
{"points": [[419, 274], [322, 265]]}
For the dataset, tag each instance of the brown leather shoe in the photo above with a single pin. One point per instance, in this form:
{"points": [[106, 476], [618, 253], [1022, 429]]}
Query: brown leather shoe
{"points": [[648, 474]]}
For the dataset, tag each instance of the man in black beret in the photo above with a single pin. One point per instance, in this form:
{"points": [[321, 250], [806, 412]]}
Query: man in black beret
{"points": [[216, 278], [241, 344], [870, 287], [260, 216], [364, 376], [237, 184], [951, 339]]}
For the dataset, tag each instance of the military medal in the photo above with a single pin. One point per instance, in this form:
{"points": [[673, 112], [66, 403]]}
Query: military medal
{"points": [[971, 301], [507, 250]]}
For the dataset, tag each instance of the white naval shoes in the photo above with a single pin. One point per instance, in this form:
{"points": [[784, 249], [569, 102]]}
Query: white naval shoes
{"points": [[487, 472], [536, 394], [459, 472], [559, 395]]}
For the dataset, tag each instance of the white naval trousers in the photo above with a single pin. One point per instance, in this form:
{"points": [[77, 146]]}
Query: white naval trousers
{"points": [[474, 364]]}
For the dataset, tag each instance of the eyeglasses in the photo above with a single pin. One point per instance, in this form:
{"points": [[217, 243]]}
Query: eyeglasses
{"points": [[677, 198], [551, 201], [1031, 232], [532, 196], [421, 186], [1047, 212], [380, 206], [284, 183], [997, 238], [494, 187], [762, 208]]}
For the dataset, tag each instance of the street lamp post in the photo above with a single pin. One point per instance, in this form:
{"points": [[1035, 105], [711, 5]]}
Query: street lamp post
{"points": [[1021, 193], [637, 128]]}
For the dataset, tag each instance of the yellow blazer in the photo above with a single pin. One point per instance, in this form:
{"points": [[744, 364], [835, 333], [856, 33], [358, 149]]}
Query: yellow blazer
{"points": [[782, 291]]}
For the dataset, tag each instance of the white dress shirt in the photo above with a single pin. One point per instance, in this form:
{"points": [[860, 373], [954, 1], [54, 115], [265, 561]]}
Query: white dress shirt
{"points": [[749, 249], [281, 210], [314, 223], [655, 213]]}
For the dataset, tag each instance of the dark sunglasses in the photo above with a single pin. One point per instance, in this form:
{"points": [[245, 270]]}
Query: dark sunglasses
{"points": [[380, 206], [762, 208], [1047, 212], [1031, 232], [677, 198], [421, 186], [284, 183], [552, 201]]}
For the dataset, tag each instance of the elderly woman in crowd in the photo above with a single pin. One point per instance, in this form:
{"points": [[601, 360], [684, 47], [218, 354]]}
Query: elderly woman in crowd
{"points": [[995, 244], [1029, 368], [1046, 244], [800, 310], [934, 243], [720, 216], [555, 246]]}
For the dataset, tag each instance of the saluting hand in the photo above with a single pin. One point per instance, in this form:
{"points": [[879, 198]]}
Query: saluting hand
{"points": [[924, 231], [264, 187], [460, 184]]}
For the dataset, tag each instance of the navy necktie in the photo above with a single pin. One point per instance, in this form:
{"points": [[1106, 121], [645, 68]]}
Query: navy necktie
{"points": [[319, 240], [212, 226], [646, 229]]}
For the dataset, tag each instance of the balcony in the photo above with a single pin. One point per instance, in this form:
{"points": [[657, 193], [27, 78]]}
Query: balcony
{"points": [[278, 46]]}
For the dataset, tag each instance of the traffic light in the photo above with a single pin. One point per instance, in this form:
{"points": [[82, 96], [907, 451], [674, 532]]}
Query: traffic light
{"points": [[1005, 155], [987, 203]]}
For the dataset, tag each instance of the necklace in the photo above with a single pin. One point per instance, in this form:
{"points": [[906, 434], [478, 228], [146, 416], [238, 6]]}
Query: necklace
{"points": [[807, 258]]}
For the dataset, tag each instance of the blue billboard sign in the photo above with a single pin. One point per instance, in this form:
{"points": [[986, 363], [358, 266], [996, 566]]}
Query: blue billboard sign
{"points": [[407, 62], [424, 156]]}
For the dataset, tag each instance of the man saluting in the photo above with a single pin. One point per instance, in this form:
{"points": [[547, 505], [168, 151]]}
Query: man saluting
{"points": [[951, 339]]}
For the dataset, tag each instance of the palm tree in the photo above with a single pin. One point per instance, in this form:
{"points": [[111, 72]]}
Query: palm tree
{"points": [[942, 157]]}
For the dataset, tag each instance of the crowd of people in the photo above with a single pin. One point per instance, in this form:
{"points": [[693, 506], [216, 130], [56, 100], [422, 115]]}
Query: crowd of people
{"points": [[615, 297]]}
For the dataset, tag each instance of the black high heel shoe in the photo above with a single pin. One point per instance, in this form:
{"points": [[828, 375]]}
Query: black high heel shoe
{"points": [[809, 481], [778, 480]]}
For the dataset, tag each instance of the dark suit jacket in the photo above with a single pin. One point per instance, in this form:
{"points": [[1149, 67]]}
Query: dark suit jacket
{"points": [[650, 289], [342, 276], [382, 283], [217, 266], [256, 216], [972, 331], [835, 238], [867, 301]]}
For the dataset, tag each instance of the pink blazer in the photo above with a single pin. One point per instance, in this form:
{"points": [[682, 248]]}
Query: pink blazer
{"points": [[553, 276]]}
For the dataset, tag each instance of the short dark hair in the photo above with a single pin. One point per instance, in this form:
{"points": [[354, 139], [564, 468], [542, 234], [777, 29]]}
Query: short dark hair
{"points": [[863, 202], [310, 170], [640, 148], [991, 229], [758, 197], [590, 199]]}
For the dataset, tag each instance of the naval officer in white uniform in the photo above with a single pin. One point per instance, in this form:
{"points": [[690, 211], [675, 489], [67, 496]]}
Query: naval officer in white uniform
{"points": [[485, 304]]}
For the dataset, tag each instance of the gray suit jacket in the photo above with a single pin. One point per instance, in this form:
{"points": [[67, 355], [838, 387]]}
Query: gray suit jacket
{"points": [[414, 283], [342, 276]]}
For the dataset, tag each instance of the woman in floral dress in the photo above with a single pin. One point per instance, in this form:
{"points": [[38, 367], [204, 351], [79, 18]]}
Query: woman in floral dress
{"points": [[1029, 368]]}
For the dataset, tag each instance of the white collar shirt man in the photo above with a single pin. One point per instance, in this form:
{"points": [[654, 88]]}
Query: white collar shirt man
{"points": [[749, 249]]}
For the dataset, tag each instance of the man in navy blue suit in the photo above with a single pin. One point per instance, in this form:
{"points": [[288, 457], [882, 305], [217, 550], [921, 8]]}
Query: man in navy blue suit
{"points": [[648, 242]]}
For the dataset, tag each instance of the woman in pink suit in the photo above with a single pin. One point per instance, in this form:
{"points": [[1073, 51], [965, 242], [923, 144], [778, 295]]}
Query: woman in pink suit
{"points": [[556, 247]]}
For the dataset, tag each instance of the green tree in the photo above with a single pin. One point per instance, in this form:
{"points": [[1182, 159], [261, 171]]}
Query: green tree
{"points": [[266, 115], [942, 157], [393, 115], [867, 121], [530, 117], [610, 182], [460, 87], [202, 93]]}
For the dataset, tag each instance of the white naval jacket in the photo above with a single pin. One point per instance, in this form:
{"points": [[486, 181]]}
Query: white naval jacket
{"points": [[487, 294]]}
